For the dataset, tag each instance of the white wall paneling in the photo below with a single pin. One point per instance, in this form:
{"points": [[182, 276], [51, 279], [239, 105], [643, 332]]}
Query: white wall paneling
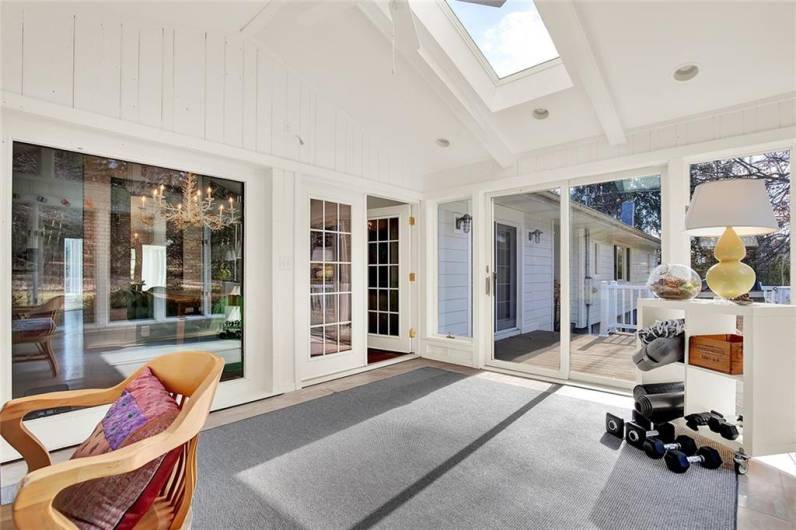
{"points": [[190, 62], [233, 92], [215, 61], [98, 51], [48, 58], [205, 85]]}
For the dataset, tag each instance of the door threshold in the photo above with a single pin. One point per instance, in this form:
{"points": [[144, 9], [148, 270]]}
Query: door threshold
{"points": [[599, 387], [358, 370]]}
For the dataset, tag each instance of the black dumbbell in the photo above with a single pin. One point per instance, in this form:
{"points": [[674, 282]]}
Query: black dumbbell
{"points": [[614, 425], [636, 435], [679, 462], [717, 423], [656, 448]]}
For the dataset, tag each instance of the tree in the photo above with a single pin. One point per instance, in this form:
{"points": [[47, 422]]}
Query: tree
{"points": [[608, 197]]}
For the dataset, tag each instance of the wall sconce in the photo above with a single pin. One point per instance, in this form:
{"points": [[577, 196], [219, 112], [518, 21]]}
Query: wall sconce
{"points": [[464, 223], [535, 236]]}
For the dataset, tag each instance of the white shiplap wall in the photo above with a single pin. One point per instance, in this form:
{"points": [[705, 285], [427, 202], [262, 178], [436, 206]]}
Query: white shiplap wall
{"points": [[183, 80], [538, 273], [454, 272]]}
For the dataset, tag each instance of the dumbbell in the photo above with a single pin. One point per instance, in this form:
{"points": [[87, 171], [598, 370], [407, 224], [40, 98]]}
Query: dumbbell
{"points": [[614, 425], [717, 423], [656, 448], [636, 435], [679, 462]]}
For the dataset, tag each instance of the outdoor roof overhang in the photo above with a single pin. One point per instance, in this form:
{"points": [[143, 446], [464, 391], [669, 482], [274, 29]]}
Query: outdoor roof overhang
{"points": [[497, 94]]}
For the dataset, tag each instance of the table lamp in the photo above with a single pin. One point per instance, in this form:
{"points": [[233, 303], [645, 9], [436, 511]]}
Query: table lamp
{"points": [[730, 208]]}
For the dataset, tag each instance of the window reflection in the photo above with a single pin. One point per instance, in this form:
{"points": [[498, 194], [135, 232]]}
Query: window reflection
{"points": [[102, 281]]}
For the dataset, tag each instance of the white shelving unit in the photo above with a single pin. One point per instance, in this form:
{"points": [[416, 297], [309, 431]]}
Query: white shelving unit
{"points": [[768, 384]]}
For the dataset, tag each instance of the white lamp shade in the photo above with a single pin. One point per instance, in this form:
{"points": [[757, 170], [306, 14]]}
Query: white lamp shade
{"points": [[742, 204]]}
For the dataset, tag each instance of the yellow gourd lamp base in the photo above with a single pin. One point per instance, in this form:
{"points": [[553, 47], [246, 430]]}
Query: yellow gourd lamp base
{"points": [[730, 278]]}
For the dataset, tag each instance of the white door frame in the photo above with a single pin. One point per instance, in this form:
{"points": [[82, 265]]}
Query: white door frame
{"points": [[402, 343], [307, 368]]}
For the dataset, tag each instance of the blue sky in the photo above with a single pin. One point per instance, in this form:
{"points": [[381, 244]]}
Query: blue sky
{"points": [[512, 37]]}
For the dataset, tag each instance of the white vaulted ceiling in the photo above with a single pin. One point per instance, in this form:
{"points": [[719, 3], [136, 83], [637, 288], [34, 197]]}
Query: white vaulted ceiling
{"points": [[614, 74], [340, 51], [620, 57]]}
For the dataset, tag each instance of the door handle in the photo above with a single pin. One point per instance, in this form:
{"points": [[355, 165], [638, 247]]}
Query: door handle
{"points": [[488, 284]]}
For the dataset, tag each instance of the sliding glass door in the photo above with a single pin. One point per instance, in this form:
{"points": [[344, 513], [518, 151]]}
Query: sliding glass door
{"points": [[614, 241], [567, 270], [526, 301]]}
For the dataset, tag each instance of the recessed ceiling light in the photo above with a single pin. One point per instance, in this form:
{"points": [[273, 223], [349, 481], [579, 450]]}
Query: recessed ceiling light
{"points": [[443, 142], [541, 114], [686, 72]]}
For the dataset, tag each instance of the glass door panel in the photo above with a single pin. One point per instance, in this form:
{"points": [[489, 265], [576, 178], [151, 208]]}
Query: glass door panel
{"points": [[505, 277], [526, 282], [614, 245], [330, 273]]}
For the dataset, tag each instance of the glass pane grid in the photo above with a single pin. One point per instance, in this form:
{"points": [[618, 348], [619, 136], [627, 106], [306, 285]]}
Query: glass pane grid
{"points": [[383, 275], [330, 277]]}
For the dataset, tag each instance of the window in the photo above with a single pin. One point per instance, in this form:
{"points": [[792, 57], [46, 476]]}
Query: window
{"points": [[454, 269], [511, 38], [330, 277], [103, 278], [383, 276], [621, 263], [768, 255]]}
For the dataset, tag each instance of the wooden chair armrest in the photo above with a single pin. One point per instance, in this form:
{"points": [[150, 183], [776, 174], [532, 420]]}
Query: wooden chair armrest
{"points": [[33, 505], [14, 431]]}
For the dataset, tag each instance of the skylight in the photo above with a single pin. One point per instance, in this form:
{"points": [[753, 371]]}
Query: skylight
{"points": [[512, 37]]}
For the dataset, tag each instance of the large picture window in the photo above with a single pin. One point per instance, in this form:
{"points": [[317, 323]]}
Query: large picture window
{"points": [[768, 255], [114, 263]]}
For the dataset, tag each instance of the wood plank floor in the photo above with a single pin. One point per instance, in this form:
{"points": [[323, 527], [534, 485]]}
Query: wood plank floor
{"points": [[766, 499], [589, 354]]}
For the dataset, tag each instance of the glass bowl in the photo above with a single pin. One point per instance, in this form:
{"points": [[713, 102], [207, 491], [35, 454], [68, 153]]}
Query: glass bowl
{"points": [[674, 282]]}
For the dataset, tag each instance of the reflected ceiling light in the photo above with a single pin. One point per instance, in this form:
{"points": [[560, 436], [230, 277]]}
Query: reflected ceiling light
{"points": [[686, 72], [464, 223], [443, 142], [541, 114]]}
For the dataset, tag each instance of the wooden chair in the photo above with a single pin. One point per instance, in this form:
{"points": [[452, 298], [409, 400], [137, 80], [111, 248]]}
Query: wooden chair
{"points": [[36, 324], [191, 377]]}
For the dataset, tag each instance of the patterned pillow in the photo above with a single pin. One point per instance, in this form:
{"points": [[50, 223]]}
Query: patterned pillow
{"points": [[144, 409]]}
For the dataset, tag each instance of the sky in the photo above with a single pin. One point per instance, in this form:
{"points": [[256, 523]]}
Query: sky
{"points": [[512, 37]]}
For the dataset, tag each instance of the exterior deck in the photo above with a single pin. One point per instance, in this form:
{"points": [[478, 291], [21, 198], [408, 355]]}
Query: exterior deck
{"points": [[590, 354]]}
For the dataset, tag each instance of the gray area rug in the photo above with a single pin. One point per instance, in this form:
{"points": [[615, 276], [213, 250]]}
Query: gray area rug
{"points": [[435, 449]]}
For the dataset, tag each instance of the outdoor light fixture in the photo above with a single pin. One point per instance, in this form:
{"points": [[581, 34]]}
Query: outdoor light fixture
{"points": [[464, 223], [535, 236]]}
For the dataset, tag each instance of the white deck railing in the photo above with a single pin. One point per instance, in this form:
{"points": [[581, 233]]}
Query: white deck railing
{"points": [[618, 302], [777, 294]]}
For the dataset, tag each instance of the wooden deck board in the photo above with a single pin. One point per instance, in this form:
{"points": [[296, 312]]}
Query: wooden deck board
{"points": [[589, 354]]}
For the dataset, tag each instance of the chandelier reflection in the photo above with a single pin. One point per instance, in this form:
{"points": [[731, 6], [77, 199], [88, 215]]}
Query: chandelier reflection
{"points": [[197, 208]]}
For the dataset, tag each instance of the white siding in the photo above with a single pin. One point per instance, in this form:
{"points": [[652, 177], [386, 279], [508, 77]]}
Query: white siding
{"points": [[538, 276], [454, 272], [186, 81]]}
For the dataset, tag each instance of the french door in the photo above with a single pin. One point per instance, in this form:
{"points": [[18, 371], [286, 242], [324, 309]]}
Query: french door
{"points": [[330, 278], [389, 292]]}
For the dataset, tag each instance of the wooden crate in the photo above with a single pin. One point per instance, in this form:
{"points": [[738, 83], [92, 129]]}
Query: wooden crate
{"points": [[722, 353]]}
